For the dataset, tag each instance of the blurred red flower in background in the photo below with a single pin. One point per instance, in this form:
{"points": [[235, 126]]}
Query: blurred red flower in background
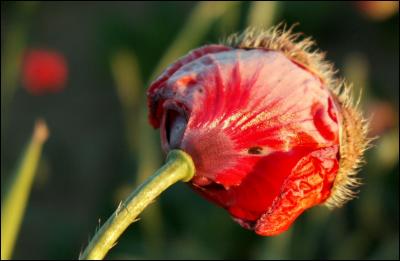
{"points": [[44, 71], [383, 117], [378, 10]]}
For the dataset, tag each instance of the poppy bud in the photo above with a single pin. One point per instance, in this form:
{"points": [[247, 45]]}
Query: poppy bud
{"points": [[270, 130], [44, 71]]}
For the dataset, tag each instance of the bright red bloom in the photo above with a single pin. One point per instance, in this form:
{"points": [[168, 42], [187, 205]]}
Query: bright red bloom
{"points": [[262, 129], [44, 71]]}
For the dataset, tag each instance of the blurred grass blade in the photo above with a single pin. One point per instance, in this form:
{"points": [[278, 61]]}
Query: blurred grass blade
{"points": [[356, 71], [126, 74], [11, 56], [142, 143], [197, 25], [228, 23], [386, 153], [125, 69], [16, 198], [262, 13]]}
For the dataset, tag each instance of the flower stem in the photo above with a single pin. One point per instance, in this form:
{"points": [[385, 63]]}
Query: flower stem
{"points": [[179, 167]]}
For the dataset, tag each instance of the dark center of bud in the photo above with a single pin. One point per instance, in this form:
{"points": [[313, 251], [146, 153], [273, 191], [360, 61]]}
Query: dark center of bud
{"points": [[174, 128]]}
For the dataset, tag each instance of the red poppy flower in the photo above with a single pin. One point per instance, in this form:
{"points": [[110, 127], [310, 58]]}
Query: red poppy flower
{"points": [[264, 122], [44, 71]]}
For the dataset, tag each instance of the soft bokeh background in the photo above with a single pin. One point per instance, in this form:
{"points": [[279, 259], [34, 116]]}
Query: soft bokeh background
{"points": [[101, 147]]}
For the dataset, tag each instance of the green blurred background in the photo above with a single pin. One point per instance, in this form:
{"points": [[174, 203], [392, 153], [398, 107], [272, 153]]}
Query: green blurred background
{"points": [[101, 146]]}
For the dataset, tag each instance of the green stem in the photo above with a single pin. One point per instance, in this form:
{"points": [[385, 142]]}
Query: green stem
{"points": [[179, 167], [17, 195]]}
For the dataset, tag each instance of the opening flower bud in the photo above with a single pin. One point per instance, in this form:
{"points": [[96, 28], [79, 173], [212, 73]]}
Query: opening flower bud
{"points": [[270, 130]]}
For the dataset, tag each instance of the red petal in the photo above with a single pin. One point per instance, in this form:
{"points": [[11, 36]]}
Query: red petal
{"points": [[152, 93], [309, 184]]}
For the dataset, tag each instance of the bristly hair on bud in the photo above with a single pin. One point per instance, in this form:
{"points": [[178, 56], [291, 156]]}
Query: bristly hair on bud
{"points": [[354, 142], [353, 126]]}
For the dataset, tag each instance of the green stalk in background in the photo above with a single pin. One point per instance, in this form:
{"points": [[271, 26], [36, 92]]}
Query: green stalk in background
{"points": [[128, 83], [228, 23], [356, 71], [194, 29], [179, 167], [16, 198], [125, 69], [262, 13], [11, 55]]}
